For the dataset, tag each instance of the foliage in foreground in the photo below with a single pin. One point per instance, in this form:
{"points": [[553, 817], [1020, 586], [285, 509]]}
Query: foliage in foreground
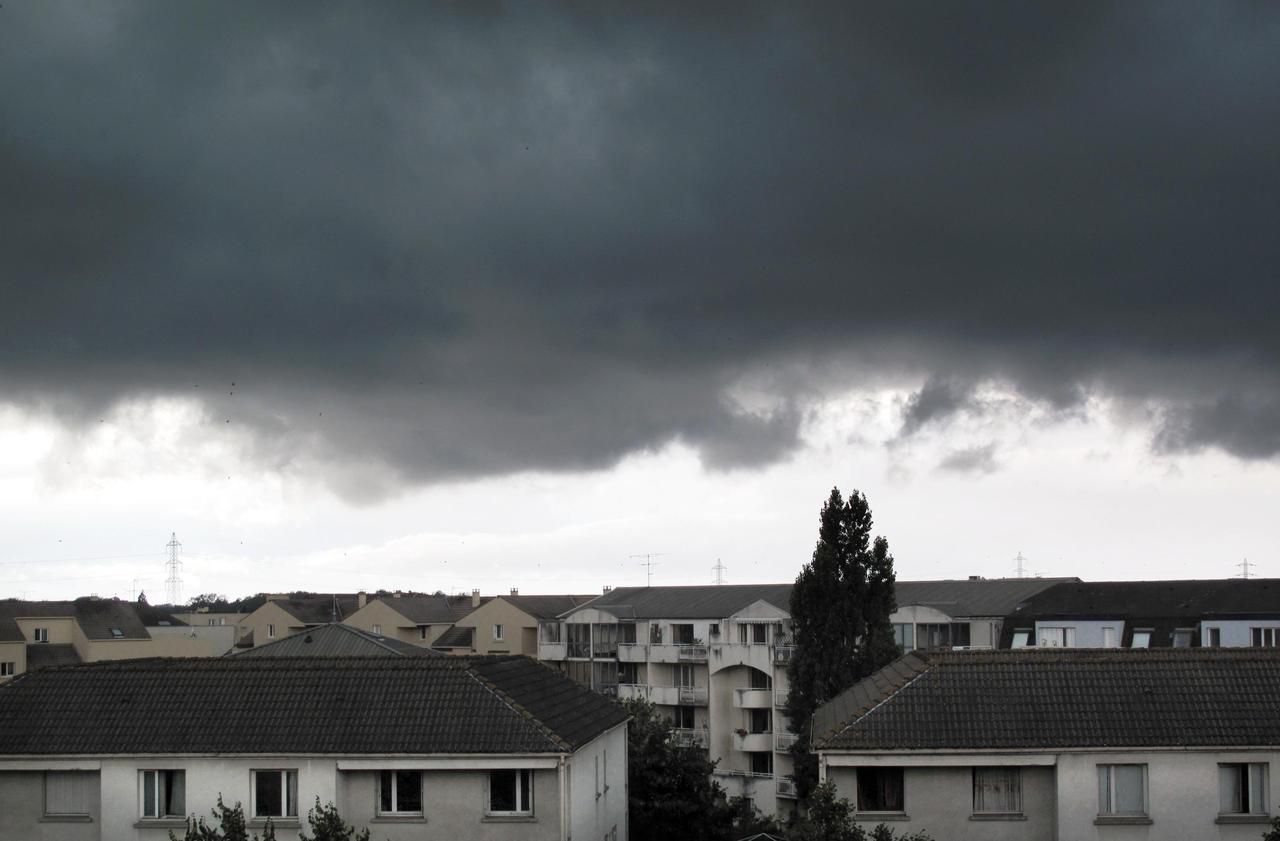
{"points": [[327, 825], [831, 819], [230, 826]]}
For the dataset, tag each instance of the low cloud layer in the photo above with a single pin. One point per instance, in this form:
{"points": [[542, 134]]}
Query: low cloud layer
{"points": [[428, 243]]}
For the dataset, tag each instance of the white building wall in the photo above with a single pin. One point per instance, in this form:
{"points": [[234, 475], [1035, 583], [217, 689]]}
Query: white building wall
{"points": [[1236, 633], [1089, 633], [597, 783]]}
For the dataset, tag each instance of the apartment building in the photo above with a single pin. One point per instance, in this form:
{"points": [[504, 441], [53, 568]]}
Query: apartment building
{"points": [[964, 613], [1232, 612], [1053, 743], [413, 747], [712, 658], [506, 624], [38, 634]]}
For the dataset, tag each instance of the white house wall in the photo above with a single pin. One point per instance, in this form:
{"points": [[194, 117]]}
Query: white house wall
{"points": [[1237, 633], [593, 815]]}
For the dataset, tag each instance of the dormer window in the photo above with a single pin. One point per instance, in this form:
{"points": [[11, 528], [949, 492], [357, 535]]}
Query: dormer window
{"points": [[116, 633], [41, 634]]}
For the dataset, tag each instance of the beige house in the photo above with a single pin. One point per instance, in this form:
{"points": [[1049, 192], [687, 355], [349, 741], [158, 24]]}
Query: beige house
{"points": [[35, 635], [284, 614], [506, 624], [415, 618]]}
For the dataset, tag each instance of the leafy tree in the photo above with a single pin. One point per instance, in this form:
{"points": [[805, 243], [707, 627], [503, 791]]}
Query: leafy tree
{"points": [[672, 794], [840, 608], [213, 601], [831, 819], [230, 826], [327, 825], [1273, 834]]}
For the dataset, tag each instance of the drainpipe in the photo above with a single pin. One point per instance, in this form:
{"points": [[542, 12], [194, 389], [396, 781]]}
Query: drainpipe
{"points": [[563, 771]]}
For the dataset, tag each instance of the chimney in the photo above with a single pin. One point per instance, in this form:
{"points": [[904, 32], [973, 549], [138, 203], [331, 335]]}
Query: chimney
{"points": [[975, 578], [362, 599], [475, 598], [396, 594], [607, 588], [515, 591]]}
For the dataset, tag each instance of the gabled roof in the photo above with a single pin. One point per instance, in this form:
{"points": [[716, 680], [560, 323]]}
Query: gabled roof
{"points": [[96, 617], [547, 606], [1064, 698], [431, 610], [317, 608], [371, 706], [714, 601], [1196, 599], [456, 637], [156, 617], [336, 640], [994, 597], [41, 655]]}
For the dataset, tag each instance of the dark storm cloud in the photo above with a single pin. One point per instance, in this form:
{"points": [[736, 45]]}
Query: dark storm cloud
{"points": [[979, 459], [468, 239]]}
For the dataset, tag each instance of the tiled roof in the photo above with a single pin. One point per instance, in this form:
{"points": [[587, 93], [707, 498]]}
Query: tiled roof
{"points": [[41, 655], [431, 610], [708, 602], [96, 617], [1209, 598], [547, 606], [153, 617], [317, 608], [336, 640], [1064, 698], [350, 706], [456, 637], [973, 597]]}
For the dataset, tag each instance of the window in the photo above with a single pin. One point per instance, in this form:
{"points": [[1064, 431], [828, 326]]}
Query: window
{"points": [[1141, 639], [761, 762], [1242, 788], [684, 675], [422, 631], [275, 794], [759, 634], [1021, 639], [628, 673], [1265, 637], [511, 792], [400, 793], [1212, 637], [997, 790], [760, 721], [271, 631], [377, 629], [68, 793], [904, 635], [713, 630], [41, 634], [1109, 638], [627, 633], [579, 639], [942, 635], [8, 668], [116, 633], [880, 790], [1182, 637], [497, 632], [1057, 637], [164, 794], [759, 679], [683, 718], [1122, 790], [682, 634]]}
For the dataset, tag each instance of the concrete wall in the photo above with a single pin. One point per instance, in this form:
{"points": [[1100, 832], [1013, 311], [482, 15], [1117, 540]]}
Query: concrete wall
{"points": [[514, 623], [1089, 632], [62, 629], [1182, 800], [939, 801], [454, 804], [15, 653], [270, 614], [22, 812], [595, 809], [1236, 632], [394, 624]]}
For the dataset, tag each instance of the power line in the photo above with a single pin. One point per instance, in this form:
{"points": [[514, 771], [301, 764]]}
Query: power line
{"points": [[77, 560]]}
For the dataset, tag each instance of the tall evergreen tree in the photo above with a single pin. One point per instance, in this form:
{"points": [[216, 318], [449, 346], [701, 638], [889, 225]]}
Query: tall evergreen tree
{"points": [[840, 608]]}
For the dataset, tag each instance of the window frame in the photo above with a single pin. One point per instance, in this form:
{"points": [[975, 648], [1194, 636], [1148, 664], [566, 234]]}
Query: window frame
{"points": [[1248, 810], [40, 634], [522, 810], [1022, 638], [1111, 811], [1145, 633], [1066, 633], [377, 629], [1182, 638], [271, 631], [160, 775], [87, 814], [396, 812], [8, 668], [879, 770], [1212, 637], [1264, 637], [497, 632], [1014, 770], [285, 774]]}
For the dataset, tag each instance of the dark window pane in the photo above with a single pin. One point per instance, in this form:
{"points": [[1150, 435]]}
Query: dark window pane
{"points": [[526, 792], [408, 791], [502, 791], [268, 796], [175, 802], [384, 790], [149, 793], [880, 789]]}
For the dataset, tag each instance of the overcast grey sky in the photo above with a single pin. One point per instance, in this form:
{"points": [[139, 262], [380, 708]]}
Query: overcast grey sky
{"points": [[498, 295]]}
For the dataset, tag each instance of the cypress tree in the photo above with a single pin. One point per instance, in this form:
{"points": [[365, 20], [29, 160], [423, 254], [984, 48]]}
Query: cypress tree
{"points": [[840, 609]]}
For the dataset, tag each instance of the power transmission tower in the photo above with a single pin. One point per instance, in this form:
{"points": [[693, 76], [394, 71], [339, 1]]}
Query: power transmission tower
{"points": [[1022, 565], [173, 571], [719, 569], [1244, 568], [648, 564]]}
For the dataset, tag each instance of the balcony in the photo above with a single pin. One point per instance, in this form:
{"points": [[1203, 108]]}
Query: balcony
{"points": [[782, 653], [610, 689], [786, 787], [753, 699], [691, 653], [782, 742], [633, 652], [752, 742], [690, 737], [552, 651], [692, 695], [780, 697], [758, 787]]}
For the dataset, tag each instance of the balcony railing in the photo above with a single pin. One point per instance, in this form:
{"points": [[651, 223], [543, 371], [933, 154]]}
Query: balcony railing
{"points": [[780, 697], [692, 694], [692, 653], [580, 649], [786, 787], [633, 652], [753, 742], [753, 699], [690, 737], [782, 742], [783, 652]]}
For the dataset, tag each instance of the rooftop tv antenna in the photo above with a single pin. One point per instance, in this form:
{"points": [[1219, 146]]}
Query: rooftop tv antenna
{"points": [[173, 571], [649, 563], [1244, 568], [719, 569]]}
